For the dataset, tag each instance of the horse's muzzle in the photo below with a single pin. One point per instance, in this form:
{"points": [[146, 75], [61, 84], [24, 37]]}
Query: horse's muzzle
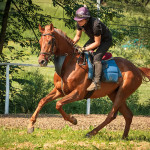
{"points": [[43, 62]]}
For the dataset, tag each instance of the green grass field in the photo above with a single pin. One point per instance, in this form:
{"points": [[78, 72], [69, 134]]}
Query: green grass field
{"points": [[68, 139]]}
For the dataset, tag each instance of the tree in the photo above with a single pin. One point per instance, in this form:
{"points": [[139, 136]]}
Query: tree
{"points": [[23, 16], [4, 25]]}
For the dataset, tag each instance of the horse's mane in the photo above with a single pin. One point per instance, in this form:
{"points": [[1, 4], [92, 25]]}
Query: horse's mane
{"points": [[63, 34]]}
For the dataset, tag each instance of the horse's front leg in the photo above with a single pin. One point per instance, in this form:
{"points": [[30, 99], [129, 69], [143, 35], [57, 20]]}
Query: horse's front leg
{"points": [[73, 96], [54, 94]]}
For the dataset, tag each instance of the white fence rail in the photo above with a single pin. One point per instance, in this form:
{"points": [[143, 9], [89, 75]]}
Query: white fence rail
{"points": [[7, 84]]}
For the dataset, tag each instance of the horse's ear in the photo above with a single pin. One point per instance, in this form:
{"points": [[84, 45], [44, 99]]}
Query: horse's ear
{"points": [[41, 29], [51, 27]]}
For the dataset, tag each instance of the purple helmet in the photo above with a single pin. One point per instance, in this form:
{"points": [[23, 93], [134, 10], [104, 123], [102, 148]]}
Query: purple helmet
{"points": [[82, 13]]}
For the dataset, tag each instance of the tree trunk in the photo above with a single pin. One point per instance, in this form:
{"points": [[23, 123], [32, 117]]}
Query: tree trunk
{"points": [[4, 25], [147, 3]]}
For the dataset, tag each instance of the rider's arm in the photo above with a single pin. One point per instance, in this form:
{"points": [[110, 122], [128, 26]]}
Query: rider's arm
{"points": [[77, 36], [94, 45]]}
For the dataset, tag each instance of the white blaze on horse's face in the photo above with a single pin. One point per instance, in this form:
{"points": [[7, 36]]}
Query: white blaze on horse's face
{"points": [[47, 43]]}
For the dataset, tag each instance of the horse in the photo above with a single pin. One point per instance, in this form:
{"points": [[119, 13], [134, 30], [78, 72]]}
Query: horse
{"points": [[71, 84]]}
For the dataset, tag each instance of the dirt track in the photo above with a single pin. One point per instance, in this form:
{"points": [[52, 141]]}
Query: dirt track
{"points": [[84, 122]]}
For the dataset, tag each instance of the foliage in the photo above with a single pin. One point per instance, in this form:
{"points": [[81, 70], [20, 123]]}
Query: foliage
{"points": [[24, 16], [33, 88], [67, 138], [135, 2], [135, 107], [12, 70]]}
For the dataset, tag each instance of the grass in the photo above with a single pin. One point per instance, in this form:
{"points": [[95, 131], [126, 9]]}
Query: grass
{"points": [[68, 139]]}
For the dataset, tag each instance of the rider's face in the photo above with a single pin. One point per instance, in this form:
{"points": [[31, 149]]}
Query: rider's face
{"points": [[82, 22]]}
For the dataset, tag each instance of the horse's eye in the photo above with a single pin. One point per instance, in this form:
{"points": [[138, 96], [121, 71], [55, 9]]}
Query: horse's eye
{"points": [[49, 42]]}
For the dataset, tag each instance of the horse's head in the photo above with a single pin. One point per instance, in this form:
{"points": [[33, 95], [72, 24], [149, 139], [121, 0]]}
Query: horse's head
{"points": [[47, 43]]}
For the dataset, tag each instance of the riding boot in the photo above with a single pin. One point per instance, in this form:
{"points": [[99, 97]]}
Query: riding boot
{"points": [[95, 85]]}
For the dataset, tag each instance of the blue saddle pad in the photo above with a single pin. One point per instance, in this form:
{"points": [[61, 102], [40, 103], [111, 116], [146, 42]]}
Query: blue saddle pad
{"points": [[110, 70]]}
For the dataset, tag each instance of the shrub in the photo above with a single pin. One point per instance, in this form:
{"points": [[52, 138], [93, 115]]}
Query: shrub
{"points": [[32, 90]]}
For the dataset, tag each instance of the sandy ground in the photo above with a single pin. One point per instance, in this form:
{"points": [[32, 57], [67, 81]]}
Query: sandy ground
{"points": [[51, 121]]}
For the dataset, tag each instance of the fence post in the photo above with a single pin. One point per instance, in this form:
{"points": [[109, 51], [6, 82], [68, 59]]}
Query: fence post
{"points": [[98, 7], [88, 106], [7, 90]]}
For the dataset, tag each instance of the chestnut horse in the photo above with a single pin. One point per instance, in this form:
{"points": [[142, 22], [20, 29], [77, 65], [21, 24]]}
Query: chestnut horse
{"points": [[73, 81]]}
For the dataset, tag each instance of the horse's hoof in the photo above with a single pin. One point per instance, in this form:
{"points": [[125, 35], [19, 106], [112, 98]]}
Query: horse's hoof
{"points": [[74, 120], [30, 130], [88, 135]]}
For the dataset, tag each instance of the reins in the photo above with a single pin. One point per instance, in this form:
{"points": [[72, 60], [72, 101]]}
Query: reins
{"points": [[49, 54]]}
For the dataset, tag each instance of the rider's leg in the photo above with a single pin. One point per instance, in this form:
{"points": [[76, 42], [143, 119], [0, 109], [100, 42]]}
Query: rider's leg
{"points": [[98, 55], [96, 83]]}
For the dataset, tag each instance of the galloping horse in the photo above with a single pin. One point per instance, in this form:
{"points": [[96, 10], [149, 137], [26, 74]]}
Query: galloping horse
{"points": [[73, 81]]}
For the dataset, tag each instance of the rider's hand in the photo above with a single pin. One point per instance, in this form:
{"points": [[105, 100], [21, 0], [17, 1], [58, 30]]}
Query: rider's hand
{"points": [[81, 49]]}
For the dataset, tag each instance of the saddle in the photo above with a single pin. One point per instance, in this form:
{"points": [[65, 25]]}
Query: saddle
{"points": [[110, 70]]}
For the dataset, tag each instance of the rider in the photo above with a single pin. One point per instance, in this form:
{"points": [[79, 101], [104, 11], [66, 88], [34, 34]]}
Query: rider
{"points": [[100, 41]]}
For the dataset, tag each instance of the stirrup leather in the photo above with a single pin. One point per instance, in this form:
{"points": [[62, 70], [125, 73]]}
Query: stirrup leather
{"points": [[97, 85]]}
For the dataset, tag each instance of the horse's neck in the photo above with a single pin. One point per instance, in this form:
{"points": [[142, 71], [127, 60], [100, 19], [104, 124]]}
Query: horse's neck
{"points": [[63, 46]]}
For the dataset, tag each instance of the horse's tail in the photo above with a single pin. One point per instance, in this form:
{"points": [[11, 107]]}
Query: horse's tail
{"points": [[145, 73]]}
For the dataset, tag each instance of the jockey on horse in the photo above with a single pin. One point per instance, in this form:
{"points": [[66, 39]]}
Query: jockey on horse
{"points": [[100, 41]]}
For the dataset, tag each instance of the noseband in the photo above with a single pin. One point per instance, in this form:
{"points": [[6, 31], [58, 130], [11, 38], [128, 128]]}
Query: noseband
{"points": [[52, 49]]}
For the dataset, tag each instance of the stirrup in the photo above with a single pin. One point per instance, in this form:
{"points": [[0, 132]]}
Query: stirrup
{"points": [[96, 86]]}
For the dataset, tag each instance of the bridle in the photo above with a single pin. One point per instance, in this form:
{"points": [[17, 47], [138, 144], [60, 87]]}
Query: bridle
{"points": [[49, 54], [52, 48]]}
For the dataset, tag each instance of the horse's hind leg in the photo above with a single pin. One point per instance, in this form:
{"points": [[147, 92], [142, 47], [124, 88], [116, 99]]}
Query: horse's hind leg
{"points": [[127, 114], [54, 94], [118, 100], [122, 94]]}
